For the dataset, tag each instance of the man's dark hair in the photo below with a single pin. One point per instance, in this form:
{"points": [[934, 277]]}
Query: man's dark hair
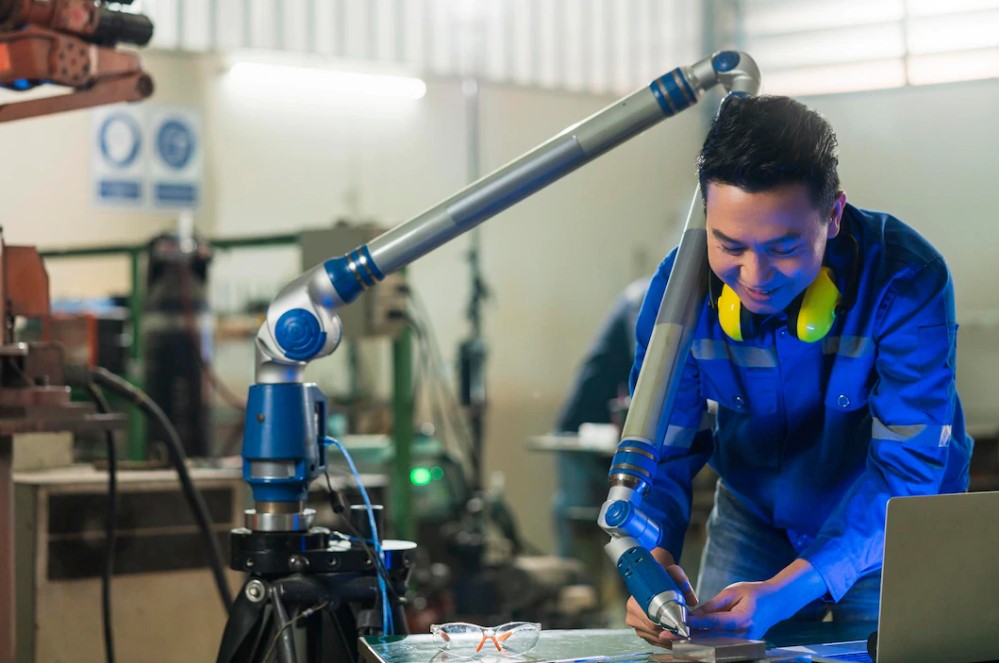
{"points": [[759, 143]]}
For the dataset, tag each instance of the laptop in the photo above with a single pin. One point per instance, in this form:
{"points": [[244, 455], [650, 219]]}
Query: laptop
{"points": [[939, 584]]}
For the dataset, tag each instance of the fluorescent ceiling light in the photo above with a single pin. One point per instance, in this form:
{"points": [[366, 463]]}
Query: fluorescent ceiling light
{"points": [[326, 80]]}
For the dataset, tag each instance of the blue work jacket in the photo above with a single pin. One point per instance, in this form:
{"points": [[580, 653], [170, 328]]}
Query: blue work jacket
{"points": [[815, 437]]}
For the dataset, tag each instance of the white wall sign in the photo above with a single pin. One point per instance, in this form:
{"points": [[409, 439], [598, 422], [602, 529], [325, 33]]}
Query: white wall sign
{"points": [[147, 157], [118, 161]]}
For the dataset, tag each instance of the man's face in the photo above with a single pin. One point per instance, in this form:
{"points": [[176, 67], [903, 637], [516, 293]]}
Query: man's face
{"points": [[768, 246]]}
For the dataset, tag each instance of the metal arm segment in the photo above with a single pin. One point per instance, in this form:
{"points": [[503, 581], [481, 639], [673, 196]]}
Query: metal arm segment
{"points": [[633, 533], [300, 326], [635, 462]]}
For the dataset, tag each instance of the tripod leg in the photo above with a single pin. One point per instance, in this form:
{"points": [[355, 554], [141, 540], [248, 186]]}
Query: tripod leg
{"points": [[246, 621]]}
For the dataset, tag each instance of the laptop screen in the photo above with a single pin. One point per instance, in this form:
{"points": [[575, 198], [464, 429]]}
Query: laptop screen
{"points": [[939, 584]]}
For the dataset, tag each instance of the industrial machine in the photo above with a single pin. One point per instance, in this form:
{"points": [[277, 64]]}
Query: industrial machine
{"points": [[285, 446], [177, 338], [70, 43], [34, 397]]}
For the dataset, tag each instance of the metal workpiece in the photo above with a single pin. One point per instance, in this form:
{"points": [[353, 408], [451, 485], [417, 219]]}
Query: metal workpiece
{"points": [[720, 649]]}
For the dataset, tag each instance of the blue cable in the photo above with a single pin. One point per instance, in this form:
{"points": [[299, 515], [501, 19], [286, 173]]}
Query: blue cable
{"points": [[388, 627]]}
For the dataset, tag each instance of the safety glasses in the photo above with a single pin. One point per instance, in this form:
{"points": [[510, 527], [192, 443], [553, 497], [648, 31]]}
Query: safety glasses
{"points": [[466, 639]]}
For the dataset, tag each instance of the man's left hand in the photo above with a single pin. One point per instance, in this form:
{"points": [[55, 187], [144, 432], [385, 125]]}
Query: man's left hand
{"points": [[752, 607]]}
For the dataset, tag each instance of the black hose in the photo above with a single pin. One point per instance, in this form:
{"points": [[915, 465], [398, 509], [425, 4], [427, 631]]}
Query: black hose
{"points": [[110, 532], [141, 399]]}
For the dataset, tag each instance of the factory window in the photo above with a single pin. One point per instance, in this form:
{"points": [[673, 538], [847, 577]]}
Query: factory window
{"points": [[822, 46]]}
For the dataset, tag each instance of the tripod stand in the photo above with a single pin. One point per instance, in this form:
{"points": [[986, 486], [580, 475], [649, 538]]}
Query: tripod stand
{"points": [[309, 596]]}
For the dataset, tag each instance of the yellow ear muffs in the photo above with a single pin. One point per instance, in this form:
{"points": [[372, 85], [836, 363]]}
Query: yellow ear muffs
{"points": [[810, 315], [818, 309], [730, 313]]}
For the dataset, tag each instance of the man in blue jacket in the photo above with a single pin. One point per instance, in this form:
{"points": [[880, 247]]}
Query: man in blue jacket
{"points": [[827, 342]]}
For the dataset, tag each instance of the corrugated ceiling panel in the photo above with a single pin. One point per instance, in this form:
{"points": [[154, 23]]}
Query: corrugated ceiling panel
{"points": [[595, 45]]}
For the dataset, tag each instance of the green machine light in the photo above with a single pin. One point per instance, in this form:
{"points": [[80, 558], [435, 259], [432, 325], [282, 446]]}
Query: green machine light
{"points": [[419, 476]]}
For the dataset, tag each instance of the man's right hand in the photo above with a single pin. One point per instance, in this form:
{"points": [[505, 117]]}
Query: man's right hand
{"points": [[636, 617]]}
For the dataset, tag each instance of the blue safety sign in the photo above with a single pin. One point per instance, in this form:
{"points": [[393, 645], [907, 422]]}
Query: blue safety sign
{"points": [[175, 166], [175, 143], [148, 157]]}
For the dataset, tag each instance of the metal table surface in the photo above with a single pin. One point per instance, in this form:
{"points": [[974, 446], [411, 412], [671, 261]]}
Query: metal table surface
{"points": [[596, 645], [552, 645]]}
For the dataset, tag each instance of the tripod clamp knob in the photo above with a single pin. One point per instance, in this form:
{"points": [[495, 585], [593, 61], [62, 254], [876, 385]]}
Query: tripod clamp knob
{"points": [[256, 591]]}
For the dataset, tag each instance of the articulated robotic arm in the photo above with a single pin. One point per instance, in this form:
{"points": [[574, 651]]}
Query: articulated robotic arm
{"points": [[284, 445]]}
